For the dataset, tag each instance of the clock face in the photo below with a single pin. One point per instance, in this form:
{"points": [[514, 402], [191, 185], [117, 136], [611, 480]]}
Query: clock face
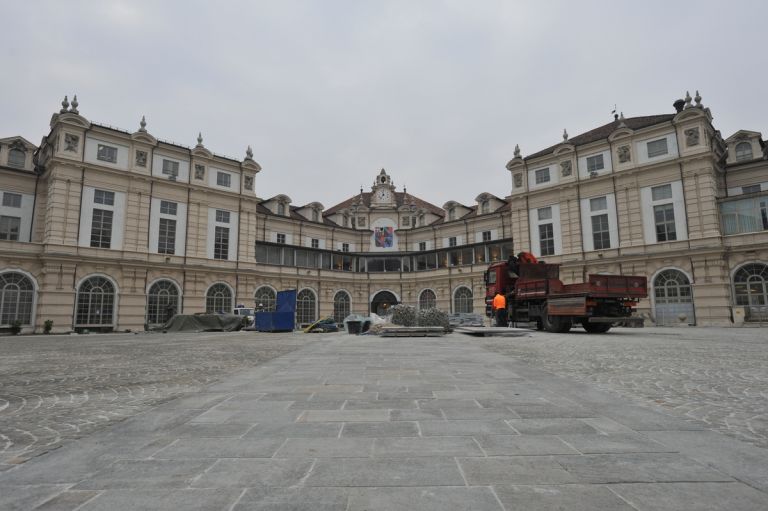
{"points": [[383, 195]]}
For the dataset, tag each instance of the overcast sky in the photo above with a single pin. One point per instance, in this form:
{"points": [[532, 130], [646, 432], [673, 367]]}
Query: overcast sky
{"points": [[328, 92]]}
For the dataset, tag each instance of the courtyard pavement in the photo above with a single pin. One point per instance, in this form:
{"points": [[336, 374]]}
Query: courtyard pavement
{"points": [[368, 423]]}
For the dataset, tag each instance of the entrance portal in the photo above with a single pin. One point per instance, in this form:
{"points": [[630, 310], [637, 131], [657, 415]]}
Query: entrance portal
{"points": [[382, 303]]}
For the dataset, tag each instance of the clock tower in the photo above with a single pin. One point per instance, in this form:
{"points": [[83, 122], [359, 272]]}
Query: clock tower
{"points": [[383, 191]]}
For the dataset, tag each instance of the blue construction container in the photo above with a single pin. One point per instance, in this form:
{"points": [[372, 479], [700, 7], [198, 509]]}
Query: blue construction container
{"points": [[284, 317]]}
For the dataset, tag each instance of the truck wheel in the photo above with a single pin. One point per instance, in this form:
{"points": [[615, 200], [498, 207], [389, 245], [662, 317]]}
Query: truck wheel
{"points": [[595, 328], [555, 324]]}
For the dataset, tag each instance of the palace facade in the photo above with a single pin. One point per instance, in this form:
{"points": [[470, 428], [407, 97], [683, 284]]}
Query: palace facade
{"points": [[103, 229]]}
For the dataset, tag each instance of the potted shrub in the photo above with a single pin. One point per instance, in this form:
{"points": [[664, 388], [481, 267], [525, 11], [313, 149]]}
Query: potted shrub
{"points": [[47, 326], [16, 327]]}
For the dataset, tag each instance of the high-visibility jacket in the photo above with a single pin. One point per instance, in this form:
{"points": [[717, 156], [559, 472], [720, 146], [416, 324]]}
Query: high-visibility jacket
{"points": [[499, 302]]}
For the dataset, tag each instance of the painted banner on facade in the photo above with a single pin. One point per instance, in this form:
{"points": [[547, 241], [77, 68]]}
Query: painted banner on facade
{"points": [[384, 237]]}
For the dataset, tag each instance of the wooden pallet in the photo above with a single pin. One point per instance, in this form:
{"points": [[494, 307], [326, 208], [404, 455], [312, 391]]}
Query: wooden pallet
{"points": [[493, 331], [412, 331]]}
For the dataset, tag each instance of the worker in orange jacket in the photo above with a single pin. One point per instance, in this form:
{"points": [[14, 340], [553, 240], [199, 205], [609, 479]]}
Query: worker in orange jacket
{"points": [[500, 309]]}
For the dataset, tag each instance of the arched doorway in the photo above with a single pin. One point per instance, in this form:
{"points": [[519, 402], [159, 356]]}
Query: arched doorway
{"points": [[382, 302], [306, 307], [673, 298], [750, 289], [95, 301], [218, 299], [266, 299], [462, 300], [162, 302], [341, 306], [17, 298]]}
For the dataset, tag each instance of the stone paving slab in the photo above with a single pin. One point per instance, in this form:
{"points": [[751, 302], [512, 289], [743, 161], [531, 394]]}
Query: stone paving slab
{"points": [[332, 426]]}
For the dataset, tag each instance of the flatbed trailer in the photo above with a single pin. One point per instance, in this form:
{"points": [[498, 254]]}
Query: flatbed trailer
{"points": [[535, 293]]}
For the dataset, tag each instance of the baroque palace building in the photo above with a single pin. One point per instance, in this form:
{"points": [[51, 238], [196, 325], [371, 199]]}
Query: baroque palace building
{"points": [[103, 229]]}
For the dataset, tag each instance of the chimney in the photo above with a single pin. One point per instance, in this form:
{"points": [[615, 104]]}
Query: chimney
{"points": [[679, 104]]}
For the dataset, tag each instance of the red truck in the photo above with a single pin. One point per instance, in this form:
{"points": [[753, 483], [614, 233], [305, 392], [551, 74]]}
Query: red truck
{"points": [[534, 292]]}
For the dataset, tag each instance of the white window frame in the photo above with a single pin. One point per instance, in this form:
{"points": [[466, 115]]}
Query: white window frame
{"points": [[649, 223], [231, 224], [641, 148], [158, 212], [587, 212], [88, 204], [534, 222]]}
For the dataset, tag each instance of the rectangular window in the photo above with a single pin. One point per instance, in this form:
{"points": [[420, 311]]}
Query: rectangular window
{"points": [[546, 239], [106, 153], [657, 148], [744, 189], [598, 204], [345, 247], [406, 221], [223, 179], [222, 216], [661, 192], [595, 163], [11, 200], [452, 241], [486, 235], [9, 228], [104, 197], [101, 228], [170, 168], [664, 218], [601, 235], [545, 213], [315, 243], [221, 243], [166, 241], [168, 207], [764, 214], [281, 238], [422, 246], [542, 176]]}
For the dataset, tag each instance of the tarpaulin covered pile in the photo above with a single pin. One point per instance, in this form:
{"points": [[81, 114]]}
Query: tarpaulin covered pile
{"points": [[203, 323]]}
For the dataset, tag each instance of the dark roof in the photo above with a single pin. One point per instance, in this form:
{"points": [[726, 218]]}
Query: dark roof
{"points": [[400, 199], [604, 131]]}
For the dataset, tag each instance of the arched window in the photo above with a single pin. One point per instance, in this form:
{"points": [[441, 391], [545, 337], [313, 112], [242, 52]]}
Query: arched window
{"points": [[743, 151], [218, 299], [162, 302], [672, 286], [427, 299], [485, 207], [305, 307], [452, 214], [462, 300], [17, 295], [265, 299], [750, 285], [17, 157], [315, 215], [95, 303], [281, 209], [341, 306]]}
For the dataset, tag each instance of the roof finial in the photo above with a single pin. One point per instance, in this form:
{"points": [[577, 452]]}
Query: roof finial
{"points": [[64, 106], [517, 151], [687, 100], [249, 153], [74, 105], [565, 135], [697, 99], [200, 138], [143, 124], [621, 121]]}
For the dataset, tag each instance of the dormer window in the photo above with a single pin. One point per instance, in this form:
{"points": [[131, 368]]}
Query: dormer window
{"points": [[16, 157], [315, 216], [485, 207], [595, 163], [743, 151], [281, 209], [657, 148], [452, 214]]}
